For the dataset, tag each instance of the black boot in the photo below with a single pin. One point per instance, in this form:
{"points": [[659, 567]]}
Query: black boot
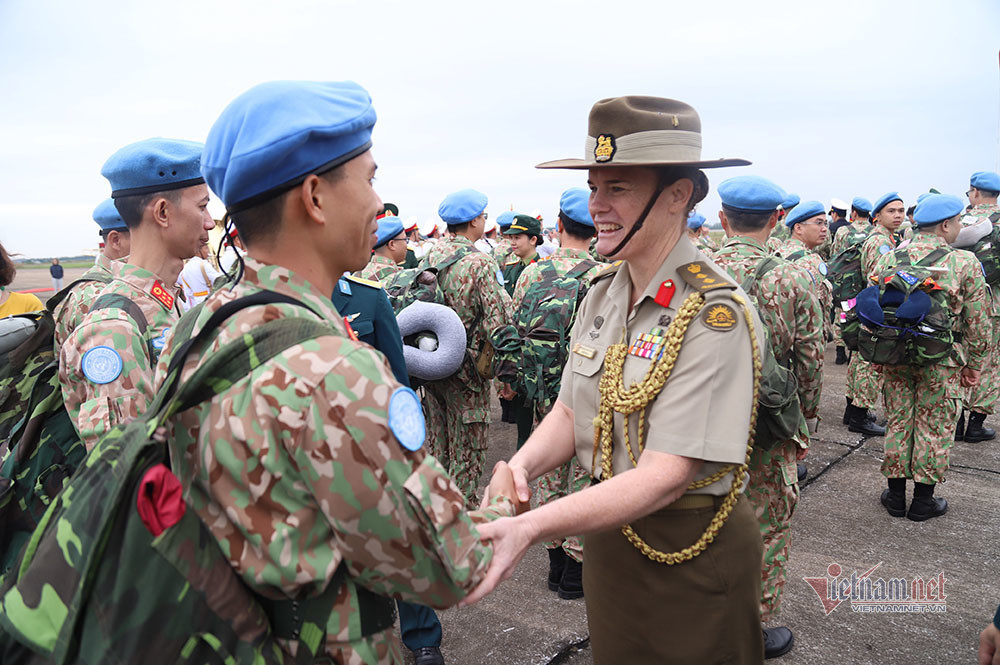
{"points": [[960, 427], [571, 585], [506, 411], [777, 641], [841, 356], [925, 505], [857, 421], [894, 498], [802, 470], [557, 564], [847, 410], [428, 656], [976, 431]]}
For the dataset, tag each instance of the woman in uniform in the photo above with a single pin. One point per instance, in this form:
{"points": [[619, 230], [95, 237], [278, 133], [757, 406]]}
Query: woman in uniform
{"points": [[658, 402]]}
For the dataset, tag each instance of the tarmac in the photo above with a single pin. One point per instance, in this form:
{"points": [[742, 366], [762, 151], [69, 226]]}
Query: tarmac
{"points": [[839, 520]]}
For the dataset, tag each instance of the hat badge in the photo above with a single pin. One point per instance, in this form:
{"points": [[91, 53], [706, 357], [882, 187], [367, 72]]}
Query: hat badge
{"points": [[605, 148]]}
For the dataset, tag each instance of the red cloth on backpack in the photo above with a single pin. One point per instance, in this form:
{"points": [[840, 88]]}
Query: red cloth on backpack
{"points": [[161, 499]]}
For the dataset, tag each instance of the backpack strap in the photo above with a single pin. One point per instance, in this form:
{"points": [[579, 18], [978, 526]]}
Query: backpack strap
{"points": [[764, 266], [455, 257], [795, 256], [903, 257], [52, 303], [995, 217], [118, 301], [582, 268], [934, 256]]}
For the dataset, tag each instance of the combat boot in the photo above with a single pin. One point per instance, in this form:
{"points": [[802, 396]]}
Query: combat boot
{"points": [[858, 421], [925, 505], [976, 431], [841, 356], [960, 427], [777, 641], [557, 564], [847, 410], [571, 585], [894, 497]]}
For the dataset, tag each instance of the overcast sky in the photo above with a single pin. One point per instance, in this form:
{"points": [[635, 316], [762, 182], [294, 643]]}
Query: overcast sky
{"points": [[856, 98]]}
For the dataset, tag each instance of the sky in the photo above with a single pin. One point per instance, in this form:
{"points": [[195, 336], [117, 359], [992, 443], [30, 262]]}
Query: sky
{"points": [[826, 99]]}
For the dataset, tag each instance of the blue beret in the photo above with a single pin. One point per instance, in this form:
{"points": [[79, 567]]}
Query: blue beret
{"points": [[862, 204], [153, 165], [506, 218], [107, 217], [790, 201], [575, 204], [695, 220], [803, 211], [885, 200], [923, 196], [937, 208], [388, 228], [750, 193], [462, 206], [987, 180], [275, 134]]}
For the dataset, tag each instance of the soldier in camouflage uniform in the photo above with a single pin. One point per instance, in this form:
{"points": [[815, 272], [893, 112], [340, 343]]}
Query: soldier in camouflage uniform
{"points": [[922, 402], [984, 187], [458, 407], [524, 234], [808, 224], [106, 364], [389, 251], [316, 461], [698, 234], [504, 248], [791, 311], [70, 312], [861, 210]]}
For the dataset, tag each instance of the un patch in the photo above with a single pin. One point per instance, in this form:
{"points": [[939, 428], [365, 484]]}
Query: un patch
{"points": [[406, 419], [101, 365], [884, 249]]}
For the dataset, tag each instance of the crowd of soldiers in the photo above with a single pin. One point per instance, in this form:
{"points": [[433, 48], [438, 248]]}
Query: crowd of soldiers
{"points": [[317, 459]]}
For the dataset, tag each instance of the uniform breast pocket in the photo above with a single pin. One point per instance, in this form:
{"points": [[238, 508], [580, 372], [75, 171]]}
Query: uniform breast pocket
{"points": [[364, 329], [586, 376]]}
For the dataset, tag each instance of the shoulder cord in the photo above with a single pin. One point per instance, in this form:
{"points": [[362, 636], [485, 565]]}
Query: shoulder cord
{"points": [[616, 398]]}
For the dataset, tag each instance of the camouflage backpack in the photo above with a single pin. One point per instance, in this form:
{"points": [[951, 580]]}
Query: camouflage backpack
{"points": [[543, 324], [987, 250], [779, 414], [421, 283], [39, 447], [120, 570], [905, 318], [847, 279]]}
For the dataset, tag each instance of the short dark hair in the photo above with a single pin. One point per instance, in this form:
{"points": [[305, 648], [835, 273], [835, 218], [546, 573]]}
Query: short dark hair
{"points": [[132, 207], [988, 192], [746, 222], [7, 269], [909, 211], [576, 229], [859, 212], [104, 233], [458, 228], [668, 175]]}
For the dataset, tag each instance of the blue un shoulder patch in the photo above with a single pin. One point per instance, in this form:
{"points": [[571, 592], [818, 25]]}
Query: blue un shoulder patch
{"points": [[406, 419], [822, 268], [101, 364], [884, 249]]}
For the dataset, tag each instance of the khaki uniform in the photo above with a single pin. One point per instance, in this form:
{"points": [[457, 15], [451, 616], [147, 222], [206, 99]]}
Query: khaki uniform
{"points": [[982, 398], [716, 593], [378, 269]]}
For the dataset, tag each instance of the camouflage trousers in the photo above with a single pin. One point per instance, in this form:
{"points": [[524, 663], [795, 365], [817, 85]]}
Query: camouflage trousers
{"points": [[559, 482], [922, 405], [982, 397], [864, 384], [458, 419], [773, 491]]}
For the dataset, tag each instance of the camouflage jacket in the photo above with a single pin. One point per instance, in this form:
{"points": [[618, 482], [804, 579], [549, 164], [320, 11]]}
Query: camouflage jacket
{"points": [[514, 268], [774, 244], [881, 241], [790, 310], [296, 469], [705, 244], [967, 295], [563, 260], [840, 238], [979, 212], [817, 269], [378, 269], [503, 250], [77, 302], [114, 383]]}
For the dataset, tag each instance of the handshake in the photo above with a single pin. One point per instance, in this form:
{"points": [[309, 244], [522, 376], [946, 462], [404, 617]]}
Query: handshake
{"points": [[503, 483]]}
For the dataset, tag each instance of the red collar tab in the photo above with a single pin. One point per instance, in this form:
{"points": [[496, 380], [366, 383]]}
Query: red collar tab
{"points": [[350, 331], [161, 294], [665, 293]]}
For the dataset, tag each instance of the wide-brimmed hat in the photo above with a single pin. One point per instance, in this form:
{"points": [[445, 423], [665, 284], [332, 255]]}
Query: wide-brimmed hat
{"points": [[642, 131]]}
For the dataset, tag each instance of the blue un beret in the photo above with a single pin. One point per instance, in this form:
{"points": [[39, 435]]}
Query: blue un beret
{"points": [[790, 201], [153, 165], [750, 193], [575, 204], [462, 206], [862, 204], [506, 218], [695, 220], [923, 196], [937, 208], [803, 211], [388, 228], [885, 200], [275, 134], [987, 180], [107, 217]]}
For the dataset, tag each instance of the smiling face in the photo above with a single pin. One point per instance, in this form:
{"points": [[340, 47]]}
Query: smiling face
{"points": [[523, 244]]}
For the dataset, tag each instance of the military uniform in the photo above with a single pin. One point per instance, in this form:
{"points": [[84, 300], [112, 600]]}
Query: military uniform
{"points": [[379, 269], [503, 250], [840, 238], [513, 268], [457, 408], [707, 245], [70, 312], [106, 364], [790, 309], [982, 397], [796, 252]]}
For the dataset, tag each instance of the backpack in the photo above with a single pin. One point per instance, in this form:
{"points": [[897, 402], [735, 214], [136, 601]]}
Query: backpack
{"points": [[421, 283], [779, 414], [543, 324], [905, 318], [847, 279], [987, 250], [121, 570]]}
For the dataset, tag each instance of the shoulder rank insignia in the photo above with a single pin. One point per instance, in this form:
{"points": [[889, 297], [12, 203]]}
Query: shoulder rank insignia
{"points": [[719, 316], [362, 280], [606, 272], [513, 262], [161, 294], [702, 277]]}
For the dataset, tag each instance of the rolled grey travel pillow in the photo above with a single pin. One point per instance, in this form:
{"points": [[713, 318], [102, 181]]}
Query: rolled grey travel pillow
{"points": [[972, 232], [13, 331], [440, 322]]}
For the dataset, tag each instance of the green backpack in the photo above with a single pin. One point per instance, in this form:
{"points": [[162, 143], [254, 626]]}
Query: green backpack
{"points": [[987, 250], [534, 364], [406, 286], [847, 279], [905, 318], [779, 414], [95, 585]]}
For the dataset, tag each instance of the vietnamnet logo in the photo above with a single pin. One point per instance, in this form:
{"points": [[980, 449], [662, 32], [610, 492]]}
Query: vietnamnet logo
{"points": [[867, 593]]}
